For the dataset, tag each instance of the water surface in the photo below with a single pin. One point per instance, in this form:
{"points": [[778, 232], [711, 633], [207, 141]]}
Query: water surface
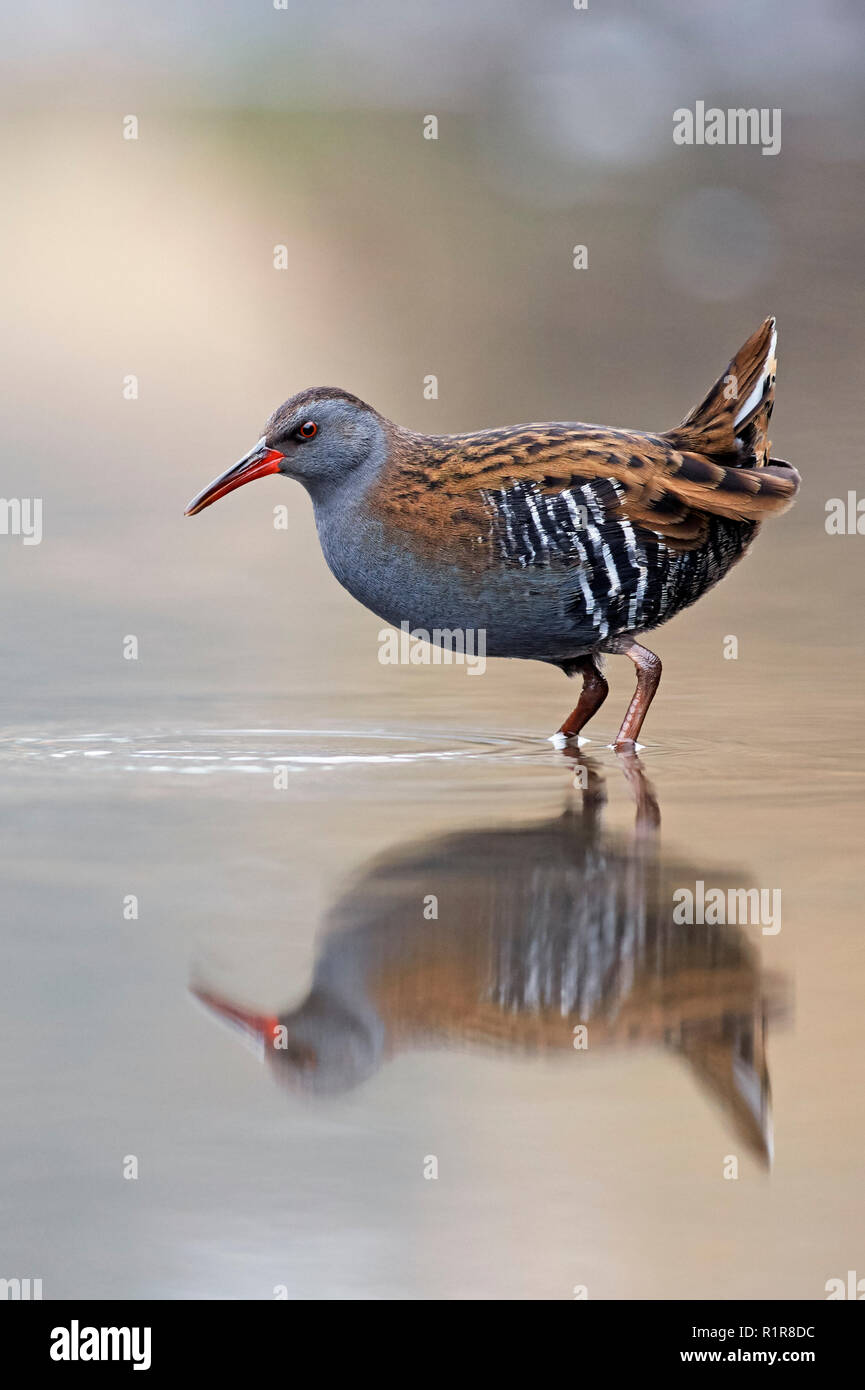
{"points": [[410, 1037]]}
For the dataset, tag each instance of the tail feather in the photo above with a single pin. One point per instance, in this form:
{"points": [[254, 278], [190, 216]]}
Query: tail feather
{"points": [[731, 1064], [733, 420], [743, 493]]}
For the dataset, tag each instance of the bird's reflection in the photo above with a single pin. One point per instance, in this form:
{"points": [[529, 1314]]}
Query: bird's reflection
{"points": [[512, 938]]}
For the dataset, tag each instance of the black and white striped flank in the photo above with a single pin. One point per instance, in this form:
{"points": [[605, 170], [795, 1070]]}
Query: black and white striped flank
{"points": [[627, 578]]}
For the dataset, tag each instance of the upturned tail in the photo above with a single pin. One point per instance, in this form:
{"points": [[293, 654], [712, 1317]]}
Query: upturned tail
{"points": [[730, 429]]}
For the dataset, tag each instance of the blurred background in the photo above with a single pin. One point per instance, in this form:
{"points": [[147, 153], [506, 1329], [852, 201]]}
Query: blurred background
{"points": [[153, 258]]}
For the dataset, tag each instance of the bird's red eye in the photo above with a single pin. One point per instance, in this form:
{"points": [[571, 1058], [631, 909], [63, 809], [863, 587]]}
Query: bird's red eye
{"points": [[308, 430]]}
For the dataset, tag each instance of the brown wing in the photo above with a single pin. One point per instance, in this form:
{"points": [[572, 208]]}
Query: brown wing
{"points": [[716, 463], [444, 494]]}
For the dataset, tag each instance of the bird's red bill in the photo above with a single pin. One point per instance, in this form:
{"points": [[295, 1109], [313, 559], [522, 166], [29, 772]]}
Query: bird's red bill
{"points": [[256, 464]]}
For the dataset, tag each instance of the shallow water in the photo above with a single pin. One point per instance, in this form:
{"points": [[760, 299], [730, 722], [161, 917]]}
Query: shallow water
{"points": [[282, 807], [297, 891]]}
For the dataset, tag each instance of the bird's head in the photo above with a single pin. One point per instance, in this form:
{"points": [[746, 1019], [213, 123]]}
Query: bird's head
{"points": [[322, 437], [323, 1047]]}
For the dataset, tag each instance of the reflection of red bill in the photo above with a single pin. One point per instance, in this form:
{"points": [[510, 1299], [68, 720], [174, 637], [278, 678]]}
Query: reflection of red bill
{"points": [[257, 1030]]}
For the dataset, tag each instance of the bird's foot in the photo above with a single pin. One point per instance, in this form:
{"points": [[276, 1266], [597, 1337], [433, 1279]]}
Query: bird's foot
{"points": [[563, 740]]}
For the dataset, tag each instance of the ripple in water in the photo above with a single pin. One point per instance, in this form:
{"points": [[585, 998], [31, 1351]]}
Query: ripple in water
{"points": [[220, 751], [262, 750]]}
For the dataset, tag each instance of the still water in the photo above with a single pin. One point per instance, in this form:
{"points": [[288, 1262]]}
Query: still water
{"points": [[505, 1070]]}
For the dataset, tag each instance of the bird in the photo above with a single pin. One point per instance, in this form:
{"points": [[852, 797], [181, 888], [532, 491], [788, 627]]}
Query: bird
{"points": [[559, 542], [541, 928]]}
